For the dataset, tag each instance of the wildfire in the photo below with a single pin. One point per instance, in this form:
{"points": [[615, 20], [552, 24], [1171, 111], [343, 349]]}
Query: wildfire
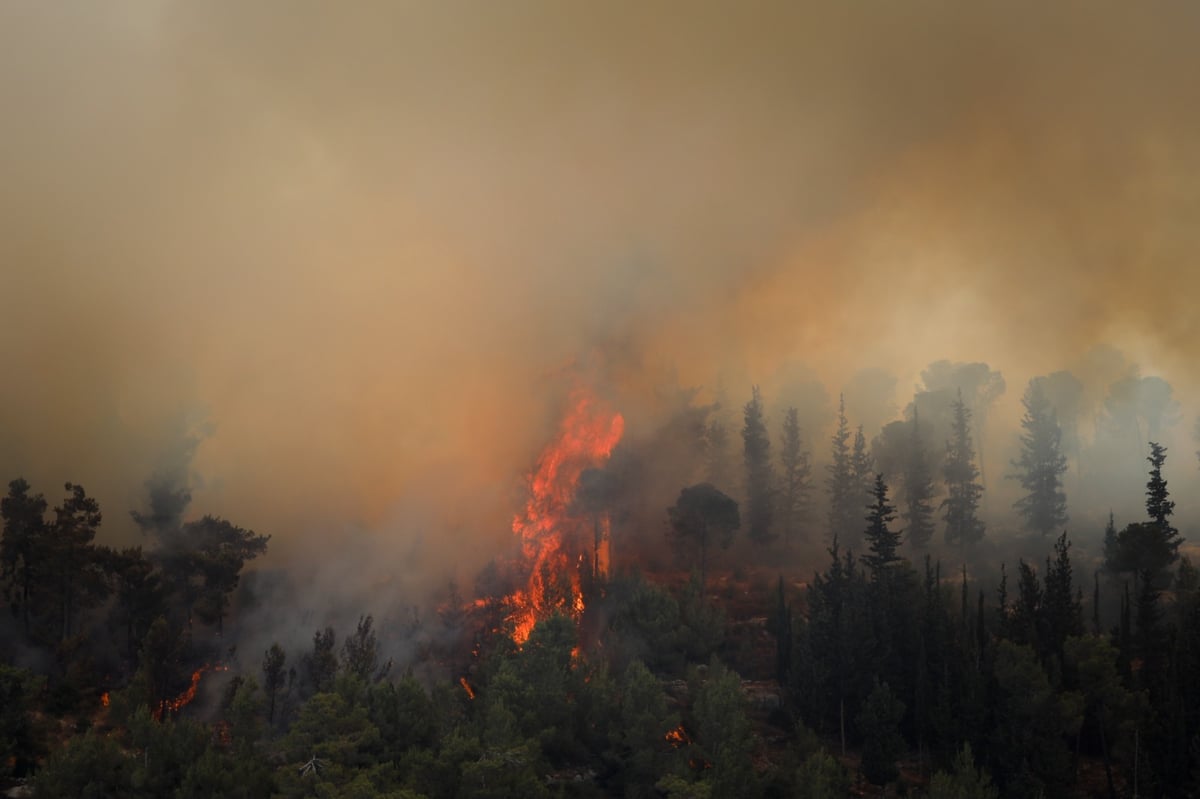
{"points": [[584, 441], [677, 737], [185, 698], [466, 687]]}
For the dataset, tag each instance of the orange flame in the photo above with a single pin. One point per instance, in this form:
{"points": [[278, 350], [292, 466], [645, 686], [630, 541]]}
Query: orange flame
{"points": [[584, 441], [185, 698], [466, 687], [104, 699], [677, 737]]}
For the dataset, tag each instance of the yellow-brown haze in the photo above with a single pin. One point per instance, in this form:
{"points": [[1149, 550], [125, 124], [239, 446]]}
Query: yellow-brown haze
{"points": [[364, 241]]}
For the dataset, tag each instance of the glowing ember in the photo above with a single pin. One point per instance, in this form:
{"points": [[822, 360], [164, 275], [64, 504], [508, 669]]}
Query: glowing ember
{"points": [[185, 698], [677, 737], [584, 441], [466, 687], [104, 699]]}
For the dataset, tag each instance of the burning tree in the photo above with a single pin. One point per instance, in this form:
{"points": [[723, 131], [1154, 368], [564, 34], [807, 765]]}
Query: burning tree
{"points": [[550, 525]]}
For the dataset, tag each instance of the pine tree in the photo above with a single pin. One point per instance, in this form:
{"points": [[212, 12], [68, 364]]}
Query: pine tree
{"points": [[1041, 464], [862, 466], [1003, 619], [273, 676], [879, 722], [77, 575], [796, 479], [783, 636], [24, 546], [716, 452], [1158, 505], [1110, 540], [760, 481], [963, 490], [1060, 604], [918, 490], [843, 497], [882, 542]]}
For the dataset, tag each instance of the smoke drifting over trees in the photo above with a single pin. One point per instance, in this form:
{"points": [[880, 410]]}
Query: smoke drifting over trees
{"points": [[305, 231], [332, 277]]}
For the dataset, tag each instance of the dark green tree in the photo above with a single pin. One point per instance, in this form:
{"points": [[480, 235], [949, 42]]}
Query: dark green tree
{"points": [[1041, 464], [1159, 506], [760, 476], [166, 749], [360, 650], [795, 492], [641, 738], [977, 383], [76, 573], [879, 723], [19, 744], [24, 548], [862, 466], [965, 781], [1108, 706], [1147, 550], [783, 628], [218, 552], [336, 736], [140, 596], [1110, 539], [918, 490], [882, 542], [273, 676], [1026, 750], [404, 714], [844, 502], [90, 766], [821, 776], [1060, 603], [724, 734], [701, 517], [322, 663], [963, 491], [1025, 624]]}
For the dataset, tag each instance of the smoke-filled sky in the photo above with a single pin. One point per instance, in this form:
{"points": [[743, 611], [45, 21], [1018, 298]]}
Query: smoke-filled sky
{"points": [[367, 246]]}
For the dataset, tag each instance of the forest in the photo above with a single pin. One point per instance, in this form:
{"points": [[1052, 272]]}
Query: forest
{"points": [[786, 627], [599, 399]]}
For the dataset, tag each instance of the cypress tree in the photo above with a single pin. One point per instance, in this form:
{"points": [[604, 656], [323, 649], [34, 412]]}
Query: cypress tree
{"points": [[882, 542], [1041, 464], [796, 479], [843, 499], [862, 467], [918, 490], [760, 481], [961, 505]]}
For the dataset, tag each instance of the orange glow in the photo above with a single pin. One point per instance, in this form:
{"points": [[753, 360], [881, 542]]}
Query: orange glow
{"points": [[549, 527], [466, 687], [185, 698], [677, 737], [104, 699]]}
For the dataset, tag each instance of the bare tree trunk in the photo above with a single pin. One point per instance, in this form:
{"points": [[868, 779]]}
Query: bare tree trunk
{"points": [[1112, 791], [842, 721]]}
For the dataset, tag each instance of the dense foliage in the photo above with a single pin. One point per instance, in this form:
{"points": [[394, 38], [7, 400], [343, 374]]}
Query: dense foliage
{"points": [[877, 674]]}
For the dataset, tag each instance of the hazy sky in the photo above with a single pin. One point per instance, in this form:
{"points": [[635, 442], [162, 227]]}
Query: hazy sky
{"points": [[365, 242]]}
